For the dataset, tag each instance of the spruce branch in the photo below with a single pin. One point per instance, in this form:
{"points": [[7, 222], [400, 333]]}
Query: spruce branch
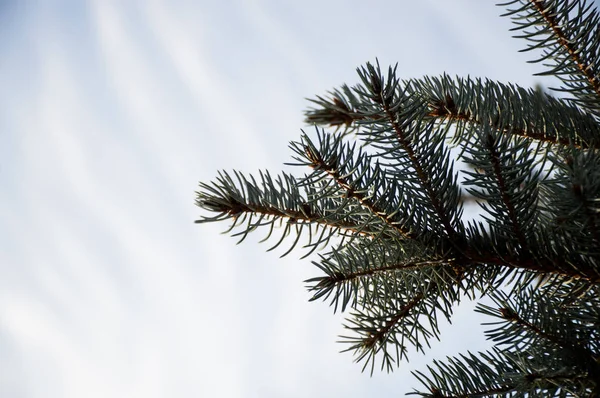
{"points": [[575, 190], [279, 202], [403, 309], [568, 34], [502, 374], [384, 95], [406, 255], [470, 104], [402, 141], [339, 107], [505, 176], [355, 176], [377, 332], [534, 317], [362, 273], [467, 376]]}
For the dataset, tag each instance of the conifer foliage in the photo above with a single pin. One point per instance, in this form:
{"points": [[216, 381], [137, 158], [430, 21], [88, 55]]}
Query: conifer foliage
{"points": [[388, 175]]}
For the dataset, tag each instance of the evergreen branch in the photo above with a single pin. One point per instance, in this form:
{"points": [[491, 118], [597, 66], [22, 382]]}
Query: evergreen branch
{"points": [[409, 265], [256, 205], [550, 14], [575, 191], [406, 254], [535, 319], [505, 191], [406, 313], [511, 315], [516, 112], [567, 42], [424, 154], [467, 376], [553, 344], [505, 177], [356, 177], [341, 108], [469, 105], [494, 261], [424, 177], [378, 336], [567, 32], [376, 331], [500, 374], [501, 254], [370, 270]]}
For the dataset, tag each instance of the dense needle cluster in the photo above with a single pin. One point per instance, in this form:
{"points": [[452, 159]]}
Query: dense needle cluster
{"points": [[382, 203]]}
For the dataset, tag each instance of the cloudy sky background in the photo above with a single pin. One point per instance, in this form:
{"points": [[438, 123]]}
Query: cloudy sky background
{"points": [[110, 114]]}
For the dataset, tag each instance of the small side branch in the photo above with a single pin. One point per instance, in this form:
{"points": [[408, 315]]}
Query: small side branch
{"points": [[569, 44], [332, 169]]}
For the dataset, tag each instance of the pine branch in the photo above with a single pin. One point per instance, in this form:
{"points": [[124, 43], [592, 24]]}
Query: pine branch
{"points": [[533, 319], [575, 191], [509, 109], [384, 95], [505, 177], [370, 269], [552, 18], [258, 205], [406, 256], [482, 253], [393, 128], [403, 310], [568, 34], [469, 105], [501, 374], [353, 174], [379, 328], [468, 376]]}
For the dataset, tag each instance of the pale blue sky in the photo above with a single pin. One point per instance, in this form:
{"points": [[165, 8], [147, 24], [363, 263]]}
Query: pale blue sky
{"points": [[111, 112]]}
